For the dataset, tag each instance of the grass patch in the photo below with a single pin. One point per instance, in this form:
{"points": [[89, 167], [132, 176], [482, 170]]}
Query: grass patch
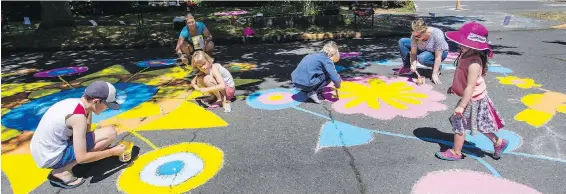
{"points": [[556, 16]]}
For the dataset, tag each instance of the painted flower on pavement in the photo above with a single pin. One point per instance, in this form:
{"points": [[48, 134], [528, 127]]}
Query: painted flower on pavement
{"points": [[541, 108], [523, 83], [383, 98], [275, 99]]}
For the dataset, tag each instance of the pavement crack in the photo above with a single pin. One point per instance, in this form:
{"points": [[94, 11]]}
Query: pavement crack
{"points": [[352, 161], [194, 135]]}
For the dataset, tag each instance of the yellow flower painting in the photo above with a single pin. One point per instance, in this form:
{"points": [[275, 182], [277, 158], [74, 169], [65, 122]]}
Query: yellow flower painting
{"points": [[541, 108], [524, 83]]}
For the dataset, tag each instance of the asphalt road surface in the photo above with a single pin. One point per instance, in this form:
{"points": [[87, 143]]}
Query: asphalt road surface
{"points": [[326, 148]]}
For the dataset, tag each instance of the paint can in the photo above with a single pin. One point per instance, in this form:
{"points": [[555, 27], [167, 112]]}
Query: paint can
{"points": [[127, 155]]}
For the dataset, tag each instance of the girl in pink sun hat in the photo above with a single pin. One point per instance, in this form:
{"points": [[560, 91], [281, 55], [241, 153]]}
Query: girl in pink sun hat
{"points": [[475, 111]]}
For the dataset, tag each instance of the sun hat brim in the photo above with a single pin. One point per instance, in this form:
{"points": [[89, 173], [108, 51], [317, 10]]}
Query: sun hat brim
{"points": [[458, 37]]}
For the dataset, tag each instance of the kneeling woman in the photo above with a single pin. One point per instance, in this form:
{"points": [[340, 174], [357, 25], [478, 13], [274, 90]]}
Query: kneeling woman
{"points": [[213, 78], [427, 45]]}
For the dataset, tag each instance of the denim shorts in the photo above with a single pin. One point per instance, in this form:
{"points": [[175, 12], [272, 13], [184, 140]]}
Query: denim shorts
{"points": [[69, 152]]}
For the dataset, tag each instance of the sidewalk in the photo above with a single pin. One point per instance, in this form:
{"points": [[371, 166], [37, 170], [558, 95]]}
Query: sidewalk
{"points": [[490, 14]]}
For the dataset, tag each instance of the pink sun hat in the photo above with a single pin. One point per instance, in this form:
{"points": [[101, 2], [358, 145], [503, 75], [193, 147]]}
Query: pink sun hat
{"points": [[472, 35]]}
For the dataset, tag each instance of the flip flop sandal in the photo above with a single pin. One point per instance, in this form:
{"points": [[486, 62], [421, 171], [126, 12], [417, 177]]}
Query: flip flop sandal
{"points": [[215, 105], [65, 185], [207, 99]]}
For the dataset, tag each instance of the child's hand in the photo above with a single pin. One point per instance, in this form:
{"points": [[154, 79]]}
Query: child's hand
{"points": [[414, 66], [435, 78], [458, 111], [118, 149], [185, 61], [449, 91]]}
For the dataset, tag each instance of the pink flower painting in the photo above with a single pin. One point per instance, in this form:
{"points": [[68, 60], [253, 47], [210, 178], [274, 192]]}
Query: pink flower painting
{"points": [[385, 98]]}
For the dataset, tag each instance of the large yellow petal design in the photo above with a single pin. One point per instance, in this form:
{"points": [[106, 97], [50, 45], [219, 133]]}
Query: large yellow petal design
{"points": [[532, 99], [186, 116], [145, 109], [22, 172], [374, 104], [528, 83], [352, 87], [534, 117], [109, 71], [561, 108], [354, 102]]}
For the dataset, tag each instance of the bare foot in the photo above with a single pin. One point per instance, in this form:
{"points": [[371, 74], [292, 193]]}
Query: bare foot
{"points": [[66, 176]]}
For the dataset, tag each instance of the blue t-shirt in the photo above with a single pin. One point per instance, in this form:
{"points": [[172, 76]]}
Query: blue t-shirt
{"points": [[314, 69], [185, 34]]}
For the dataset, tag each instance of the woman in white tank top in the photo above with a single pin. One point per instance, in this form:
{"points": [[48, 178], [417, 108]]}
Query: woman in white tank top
{"points": [[214, 79]]}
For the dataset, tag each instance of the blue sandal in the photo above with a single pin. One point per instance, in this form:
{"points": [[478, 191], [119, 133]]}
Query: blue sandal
{"points": [[62, 184]]}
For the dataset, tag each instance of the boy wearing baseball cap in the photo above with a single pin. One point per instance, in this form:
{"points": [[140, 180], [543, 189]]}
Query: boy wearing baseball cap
{"points": [[62, 138]]}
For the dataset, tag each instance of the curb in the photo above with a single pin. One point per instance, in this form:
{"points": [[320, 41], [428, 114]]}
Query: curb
{"points": [[218, 41]]}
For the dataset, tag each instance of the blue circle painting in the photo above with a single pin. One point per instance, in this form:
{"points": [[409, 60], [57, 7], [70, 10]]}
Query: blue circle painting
{"points": [[27, 116], [170, 168]]}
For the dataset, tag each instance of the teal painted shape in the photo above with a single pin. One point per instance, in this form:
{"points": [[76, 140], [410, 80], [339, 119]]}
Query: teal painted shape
{"points": [[336, 134]]}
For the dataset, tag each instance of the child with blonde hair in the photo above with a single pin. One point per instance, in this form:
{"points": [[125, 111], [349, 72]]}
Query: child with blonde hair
{"points": [[213, 78], [475, 111], [317, 70]]}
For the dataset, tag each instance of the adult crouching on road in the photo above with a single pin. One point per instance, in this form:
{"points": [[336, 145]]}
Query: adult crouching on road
{"points": [[427, 45], [194, 36]]}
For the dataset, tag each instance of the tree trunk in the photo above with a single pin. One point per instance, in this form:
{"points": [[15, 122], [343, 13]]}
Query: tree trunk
{"points": [[56, 14]]}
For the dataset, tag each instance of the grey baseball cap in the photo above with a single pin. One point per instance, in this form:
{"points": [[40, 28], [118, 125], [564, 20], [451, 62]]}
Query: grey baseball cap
{"points": [[103, 91]]}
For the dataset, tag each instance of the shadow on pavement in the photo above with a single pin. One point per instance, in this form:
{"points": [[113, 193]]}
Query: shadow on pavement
{"points": [[556, 42], [446, 140], [104, 168]]}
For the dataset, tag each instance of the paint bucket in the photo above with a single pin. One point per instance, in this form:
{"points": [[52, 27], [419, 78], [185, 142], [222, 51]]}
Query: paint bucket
{"points": [[127, 155]]}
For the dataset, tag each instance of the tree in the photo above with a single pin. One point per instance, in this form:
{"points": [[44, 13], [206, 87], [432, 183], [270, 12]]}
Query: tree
{"points": [[56, 14]]}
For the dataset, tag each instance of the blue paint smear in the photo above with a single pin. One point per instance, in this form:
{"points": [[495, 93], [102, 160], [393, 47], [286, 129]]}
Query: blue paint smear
{"points": [[335, 134], [340, 68], [170, 168], [27, 116], [389, 63], [164, 62], [61, 72], [499, 69]]}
